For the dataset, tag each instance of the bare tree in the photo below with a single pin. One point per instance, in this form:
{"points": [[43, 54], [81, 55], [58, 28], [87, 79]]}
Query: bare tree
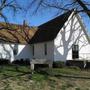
{"points": [[84, 6], [12, 6], [60, 5], [8, 5]]}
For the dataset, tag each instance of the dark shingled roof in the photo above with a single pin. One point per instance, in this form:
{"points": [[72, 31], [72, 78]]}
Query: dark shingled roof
{"points": [[49, 30]]}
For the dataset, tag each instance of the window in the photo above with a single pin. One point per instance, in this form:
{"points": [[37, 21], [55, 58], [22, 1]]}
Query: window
{"points": [[45, 49], [75, 51], [33, 50], [15, 49]]}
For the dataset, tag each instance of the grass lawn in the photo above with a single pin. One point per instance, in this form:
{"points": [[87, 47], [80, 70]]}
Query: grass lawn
{"points": [[20, 78]]}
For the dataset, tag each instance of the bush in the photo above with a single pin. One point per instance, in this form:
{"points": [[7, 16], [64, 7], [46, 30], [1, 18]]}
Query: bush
{"points": [[40, 66], [22, 62], [4, 61], [58, 64], [77, 63]]}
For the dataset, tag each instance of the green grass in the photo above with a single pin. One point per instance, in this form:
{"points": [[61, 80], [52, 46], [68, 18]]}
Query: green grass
{"points": [[20, 78]]}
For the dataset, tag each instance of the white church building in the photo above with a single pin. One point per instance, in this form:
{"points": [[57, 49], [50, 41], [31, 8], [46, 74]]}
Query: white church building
{"points": [[60, 39]]}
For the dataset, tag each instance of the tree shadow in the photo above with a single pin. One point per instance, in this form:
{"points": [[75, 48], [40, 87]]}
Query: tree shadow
{"points": [[8, 73], [71, 33]]}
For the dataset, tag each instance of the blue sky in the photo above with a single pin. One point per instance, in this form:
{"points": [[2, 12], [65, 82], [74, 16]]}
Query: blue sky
{"points": [[37, 19]]}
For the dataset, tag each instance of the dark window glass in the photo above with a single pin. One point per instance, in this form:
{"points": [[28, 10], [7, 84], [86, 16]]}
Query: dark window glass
{"points": [[15, 50], [45, 47], [33, 50], [75, 51]]}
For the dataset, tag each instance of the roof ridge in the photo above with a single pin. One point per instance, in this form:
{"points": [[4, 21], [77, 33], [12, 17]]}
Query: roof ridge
{"points": [[57, 17], [49, 30]]}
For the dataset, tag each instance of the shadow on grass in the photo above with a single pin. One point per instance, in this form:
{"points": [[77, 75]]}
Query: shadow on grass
{"points": [[11, 71], [51, 72]]}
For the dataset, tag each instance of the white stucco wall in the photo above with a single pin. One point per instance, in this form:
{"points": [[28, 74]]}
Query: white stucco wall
{"points": [[72, 32], [24, 51], [39, 51]]}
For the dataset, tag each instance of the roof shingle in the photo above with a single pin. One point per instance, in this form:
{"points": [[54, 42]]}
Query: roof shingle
{"points": [[49, 30], [13, 33]]}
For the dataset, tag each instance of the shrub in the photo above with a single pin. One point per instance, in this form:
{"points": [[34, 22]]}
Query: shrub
{"points": [[58, 64], [40, 66], [22, 62], [4, 61], [77, 63]]}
